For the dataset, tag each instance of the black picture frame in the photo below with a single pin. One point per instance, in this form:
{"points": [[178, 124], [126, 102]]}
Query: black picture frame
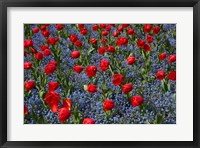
{"points": [[4, 4]]}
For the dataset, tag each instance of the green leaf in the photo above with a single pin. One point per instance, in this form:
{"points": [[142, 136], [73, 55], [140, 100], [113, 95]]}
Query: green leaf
{"points": [[111, 70], [154, 110], [143, 71], [104, 86], [130, 54], [165, 86], [41, 120], [159, 119], [143, 55], [91, 50], [144, 106], [168, 86], [85, 87], [161, 50], [41, 93], [153, 77]]}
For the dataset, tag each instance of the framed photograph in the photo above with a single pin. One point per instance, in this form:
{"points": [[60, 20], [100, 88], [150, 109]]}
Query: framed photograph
{"points": [[99, 74]]}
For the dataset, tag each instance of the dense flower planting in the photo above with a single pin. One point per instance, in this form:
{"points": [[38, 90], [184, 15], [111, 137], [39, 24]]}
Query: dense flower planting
{"points": [[100, 73]]}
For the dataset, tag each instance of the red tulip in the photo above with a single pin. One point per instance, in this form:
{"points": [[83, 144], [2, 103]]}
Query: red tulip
{"points": [[111, 49], [115, 34], [130, 32], [147, 28], [39, 56], [108, 105], [125, 25], [27, 65], [43, 47], [67, 103], [122, 41], [78, 68], [51, 41], [120, 28], [149, 38], [91, 88], [83, 31], [160, 75], [29, 85], [52, 98], [25, 110], [117, 79], [104, 64], [53, 86], [147, 48], [136, 100], [57, 39], [75, 54], [101, 50], [32, 50], [78, 43], [47, 52], [95, 27], [59, 26], [53, 63], [63, 114], [93, 41], [162, 56], [28, 43], [104, 33], [140, 43], [35, 30], [88, 121], [172, 58], [73, 38], [172, 75], [81, 25], [43, 27], [108, 27], [45, 33], [104, 40], [91, 71], [50, 68], [130, 60], [102, 25], [156, 30], [127, 88], [25, 54]]}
